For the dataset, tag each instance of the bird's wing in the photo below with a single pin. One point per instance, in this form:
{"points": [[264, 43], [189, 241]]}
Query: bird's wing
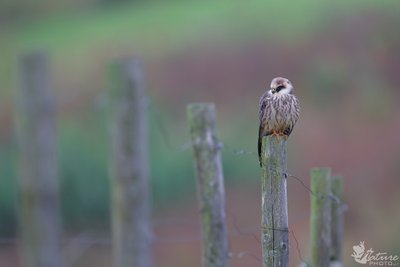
{"points": [[294, 114], [265, 102], [294, 110]]}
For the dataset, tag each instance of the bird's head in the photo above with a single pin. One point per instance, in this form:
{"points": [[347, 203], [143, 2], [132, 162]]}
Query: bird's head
{"points": [[281, 86]]}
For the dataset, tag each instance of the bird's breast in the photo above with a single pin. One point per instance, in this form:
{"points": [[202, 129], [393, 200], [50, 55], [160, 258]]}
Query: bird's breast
{"points": [[283, 107]]}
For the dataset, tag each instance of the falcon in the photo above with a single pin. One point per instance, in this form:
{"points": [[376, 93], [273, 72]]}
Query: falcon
{"points": [[279, 111]]}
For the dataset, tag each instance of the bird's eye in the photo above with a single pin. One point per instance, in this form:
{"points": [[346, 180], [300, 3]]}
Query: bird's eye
{"points": [[280, 87]]}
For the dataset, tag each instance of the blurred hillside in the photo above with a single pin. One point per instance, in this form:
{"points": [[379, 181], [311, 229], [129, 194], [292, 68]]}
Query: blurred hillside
{"points": [[342, 57]]}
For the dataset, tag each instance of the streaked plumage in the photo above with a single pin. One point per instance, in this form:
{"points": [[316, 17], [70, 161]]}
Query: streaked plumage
{"points": [[279, 111]]}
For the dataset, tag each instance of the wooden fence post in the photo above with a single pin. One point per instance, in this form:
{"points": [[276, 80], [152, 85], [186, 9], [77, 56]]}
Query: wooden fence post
{"points": [[39, 214], [210, 183], [274, 211], [129, 166], [320, 217], [337, 220]]}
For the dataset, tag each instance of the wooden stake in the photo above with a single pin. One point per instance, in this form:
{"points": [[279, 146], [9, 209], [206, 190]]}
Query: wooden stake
{"points": [[274, 210], [131, 226], [210, 183], [337, 219], [39, 213], [321, 217]]}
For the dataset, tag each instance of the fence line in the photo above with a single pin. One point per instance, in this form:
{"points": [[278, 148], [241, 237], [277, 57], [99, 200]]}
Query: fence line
{"points": [[90, 240], [130, 186]]}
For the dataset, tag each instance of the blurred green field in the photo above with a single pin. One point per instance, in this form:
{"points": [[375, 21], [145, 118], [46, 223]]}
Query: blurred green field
{"points": [[168, 26], [82, 43]]}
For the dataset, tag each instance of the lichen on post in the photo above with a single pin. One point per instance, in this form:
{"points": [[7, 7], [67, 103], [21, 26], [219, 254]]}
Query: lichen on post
{"points": [[274, 211]]}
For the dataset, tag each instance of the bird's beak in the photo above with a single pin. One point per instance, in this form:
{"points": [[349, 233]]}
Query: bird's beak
{"points": [[273, 90]]}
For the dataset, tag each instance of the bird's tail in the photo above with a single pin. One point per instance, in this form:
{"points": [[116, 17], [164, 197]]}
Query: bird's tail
{"points": [[260, 135]]}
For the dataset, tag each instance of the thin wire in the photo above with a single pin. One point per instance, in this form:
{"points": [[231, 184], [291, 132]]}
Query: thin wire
{"points": [[159, 122], [240, 151], [302, 183], [241, 232], [299, 254]]}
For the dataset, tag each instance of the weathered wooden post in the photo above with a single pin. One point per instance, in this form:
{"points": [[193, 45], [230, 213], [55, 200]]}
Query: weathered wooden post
{"points": [[129, 166], [337, 224], [274, 210], [210, 183], [39, 214], [321, 217]]}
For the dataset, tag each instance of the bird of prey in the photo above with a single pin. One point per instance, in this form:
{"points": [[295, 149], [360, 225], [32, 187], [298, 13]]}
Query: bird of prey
{"points": [[279, 111]]}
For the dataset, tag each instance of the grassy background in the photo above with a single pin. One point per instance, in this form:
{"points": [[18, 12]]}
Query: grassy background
{"points": [[342, 56]]}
